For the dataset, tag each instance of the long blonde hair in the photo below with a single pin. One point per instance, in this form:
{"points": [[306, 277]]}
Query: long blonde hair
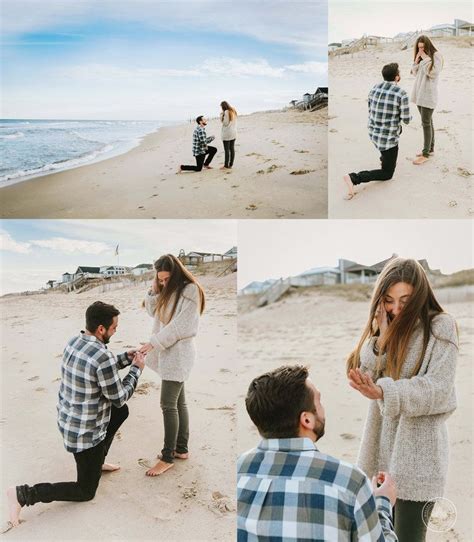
{"points": [[421, 307], [180, 277], [227, 107]]}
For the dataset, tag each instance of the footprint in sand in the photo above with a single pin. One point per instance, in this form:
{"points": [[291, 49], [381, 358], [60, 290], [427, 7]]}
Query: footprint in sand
{"points": [[251, 207], [221, 503], [347, 436], [33, 378], [147, 463], [453, 203], [40, 389]]}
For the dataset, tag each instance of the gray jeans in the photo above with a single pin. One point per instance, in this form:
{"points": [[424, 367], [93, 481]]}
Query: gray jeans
{"points": [[428, 130], [175, 419]]}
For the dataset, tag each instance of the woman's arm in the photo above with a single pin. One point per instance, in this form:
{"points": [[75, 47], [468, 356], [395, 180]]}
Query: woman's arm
{"points": [[437, 63], [226, 118], [430, 393], [151, 300], [184, 323], [369, 356]]}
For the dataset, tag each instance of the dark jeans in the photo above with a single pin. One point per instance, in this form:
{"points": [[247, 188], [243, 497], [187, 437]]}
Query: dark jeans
{"points": [[211, 151], [229, 153], [89, 469], [428, 130], [175, 419], [388, 160], [410, 518]]}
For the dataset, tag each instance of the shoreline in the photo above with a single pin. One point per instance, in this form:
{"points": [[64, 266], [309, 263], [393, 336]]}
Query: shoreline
{"points": [[100, 156], [283, 154]]}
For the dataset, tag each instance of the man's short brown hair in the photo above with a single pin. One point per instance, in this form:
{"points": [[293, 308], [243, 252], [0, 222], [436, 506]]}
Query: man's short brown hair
{"points": [[275, 401], [100, 314]]}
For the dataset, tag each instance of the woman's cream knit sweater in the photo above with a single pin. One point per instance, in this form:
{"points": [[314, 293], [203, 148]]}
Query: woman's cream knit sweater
{"points": [[174, 350], [425, 87], [405, 433]]}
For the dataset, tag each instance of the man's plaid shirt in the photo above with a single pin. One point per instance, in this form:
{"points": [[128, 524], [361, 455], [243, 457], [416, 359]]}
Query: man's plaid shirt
{"points": [[90, 384], [200, 141], [388, 107], [287, 490]]}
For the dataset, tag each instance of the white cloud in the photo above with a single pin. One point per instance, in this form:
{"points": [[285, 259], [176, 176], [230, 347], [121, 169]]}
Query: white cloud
{"points": [[235, 67], [300, 24], [70, 246], [219, 66], [318, 68], [7, 243]]}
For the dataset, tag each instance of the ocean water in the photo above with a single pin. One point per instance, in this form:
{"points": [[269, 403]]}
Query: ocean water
{"points": [[36, 147]]}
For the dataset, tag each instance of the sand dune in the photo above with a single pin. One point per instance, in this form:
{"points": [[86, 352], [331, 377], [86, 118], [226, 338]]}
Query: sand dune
{"points": [[280, 171], [441, 188], [196, 497], [319, 331]]}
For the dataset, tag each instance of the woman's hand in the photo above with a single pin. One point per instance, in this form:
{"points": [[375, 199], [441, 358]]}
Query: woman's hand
{"points": [[154, 284], [145, 348], [382, 322], [422, 54], [363, 383]]}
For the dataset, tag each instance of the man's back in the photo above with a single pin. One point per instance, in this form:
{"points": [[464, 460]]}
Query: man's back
{"points": [[90, 383], [388, 108], [287, 490]]}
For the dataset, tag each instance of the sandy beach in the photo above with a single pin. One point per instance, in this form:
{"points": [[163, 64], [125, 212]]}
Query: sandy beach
{"points": [[440, 188], [280, 171], [319, 330], [195, 500]]}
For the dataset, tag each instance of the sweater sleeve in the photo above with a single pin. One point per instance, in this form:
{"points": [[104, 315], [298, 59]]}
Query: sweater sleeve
{"points": [[429, 393], [414, 68], [437, 63], [151, 300], [226, 118], [184, 323], [368, 358]]}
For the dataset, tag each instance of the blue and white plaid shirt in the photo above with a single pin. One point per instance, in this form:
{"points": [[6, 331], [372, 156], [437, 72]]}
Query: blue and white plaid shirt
{"points": [[200, 141], [287, 490], [90, 384], [388, 107]]}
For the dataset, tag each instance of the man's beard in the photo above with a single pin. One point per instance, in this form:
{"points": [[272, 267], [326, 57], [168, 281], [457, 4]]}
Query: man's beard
{"points": [[106, 338], [319, 429]]}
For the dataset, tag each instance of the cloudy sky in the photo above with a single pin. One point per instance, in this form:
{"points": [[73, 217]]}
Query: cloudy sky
{"points": [[158, 60], [353, 18], [35, 251], [282, 248]]}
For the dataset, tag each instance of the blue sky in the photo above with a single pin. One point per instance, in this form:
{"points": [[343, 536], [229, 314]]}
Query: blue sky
{"points": [[154, 60], [35, 251]]}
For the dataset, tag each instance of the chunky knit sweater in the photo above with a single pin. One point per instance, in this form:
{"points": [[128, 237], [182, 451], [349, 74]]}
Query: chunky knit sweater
{"points": [[173, 340], [405, 433], [425, 87], [229, 129]]}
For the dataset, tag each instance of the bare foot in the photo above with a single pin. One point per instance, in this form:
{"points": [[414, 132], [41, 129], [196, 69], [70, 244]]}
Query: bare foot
{"points": [[14, 507], [208, 167], [350, 187], [110, 467], [181, 456], [179, 171], [420, 160], [159, 468], [421, 154]]}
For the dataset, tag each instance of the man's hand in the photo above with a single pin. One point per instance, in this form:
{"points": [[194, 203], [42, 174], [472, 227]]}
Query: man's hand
{"points": [[139, 360], [131, 354], [363, 383], [145, 348], [387, 487]]}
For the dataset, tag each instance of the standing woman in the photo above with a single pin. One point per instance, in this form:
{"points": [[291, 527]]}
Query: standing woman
{"points": [[229, 133], [405, 364], [427, 66], [175, 301]]}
